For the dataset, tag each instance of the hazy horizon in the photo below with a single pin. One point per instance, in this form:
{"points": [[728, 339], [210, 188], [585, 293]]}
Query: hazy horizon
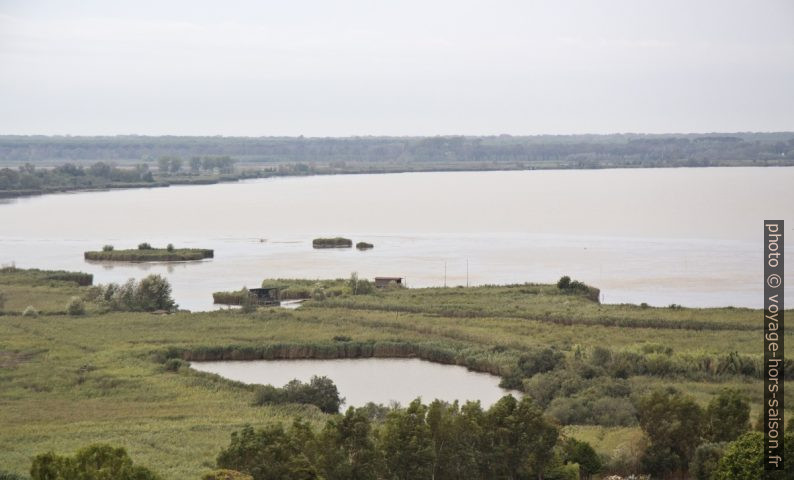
{"points": [[354, 68], [474, 135]]}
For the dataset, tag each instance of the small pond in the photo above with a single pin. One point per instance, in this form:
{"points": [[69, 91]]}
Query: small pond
{"points": [[378, 380]]}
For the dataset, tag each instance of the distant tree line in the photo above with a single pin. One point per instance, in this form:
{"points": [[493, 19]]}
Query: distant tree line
{"points": [[195, 165], [70, 176], [571, 151]]}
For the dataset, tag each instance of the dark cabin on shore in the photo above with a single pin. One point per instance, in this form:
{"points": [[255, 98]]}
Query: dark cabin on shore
{"points": [[381, 282], [266, 295]]}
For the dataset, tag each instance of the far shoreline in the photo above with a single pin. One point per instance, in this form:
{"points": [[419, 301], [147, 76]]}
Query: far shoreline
{"points": [[17, 194]]}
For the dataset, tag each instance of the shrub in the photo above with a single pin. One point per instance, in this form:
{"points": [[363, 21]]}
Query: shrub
{"points": [[170, 247], [154, 293], [320, 392], [107, 248], [145, 246], [75, 306], [727, 416], [90, 463], [359, 286], [30, 312], [364, 246], [174, 364], [248, 303], [564, 282], [150, 294], [705, 460], [583, 454], [318, 294]]}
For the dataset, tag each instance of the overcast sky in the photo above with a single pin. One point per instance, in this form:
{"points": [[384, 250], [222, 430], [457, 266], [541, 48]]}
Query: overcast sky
{"points": [[338, 68]]}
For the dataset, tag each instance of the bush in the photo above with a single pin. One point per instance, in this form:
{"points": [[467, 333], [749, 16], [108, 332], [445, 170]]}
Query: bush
{"points": [[154, 293], [364, 246], [564, 282], [705, 460], [145, 246], [359, 286], [248, 303], [174, 364], [582, 454], [150, 294], [170, 247], [30, 312], [91, 463], [107, 248], [320, 392], [75, 306]]}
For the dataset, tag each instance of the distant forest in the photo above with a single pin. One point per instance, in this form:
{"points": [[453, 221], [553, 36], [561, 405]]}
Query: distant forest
{"points": [[416, 153]]}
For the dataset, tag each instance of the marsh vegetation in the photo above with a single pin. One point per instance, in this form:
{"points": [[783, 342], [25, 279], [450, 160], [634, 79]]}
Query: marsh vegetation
{"points": [[590, 368]]}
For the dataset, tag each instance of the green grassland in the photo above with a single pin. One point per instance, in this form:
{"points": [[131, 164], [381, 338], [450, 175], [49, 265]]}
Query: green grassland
{"points": [[68, 381]]}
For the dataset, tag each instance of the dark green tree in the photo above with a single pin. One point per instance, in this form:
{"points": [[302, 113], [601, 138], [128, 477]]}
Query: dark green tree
{"points": [[346, 450], [407, 443], [674, 425], [744, 459], [575, 451], [267, 454], [522, 439], [705, 460], [154, 293], [727, 416]]}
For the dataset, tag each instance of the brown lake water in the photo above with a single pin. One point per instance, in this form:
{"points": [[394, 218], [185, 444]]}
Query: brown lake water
{"points": [[687, 236], [362, 380]]}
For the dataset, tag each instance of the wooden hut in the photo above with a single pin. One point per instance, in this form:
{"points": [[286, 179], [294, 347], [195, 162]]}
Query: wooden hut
{"points": [[381, 282], [266, 295]]}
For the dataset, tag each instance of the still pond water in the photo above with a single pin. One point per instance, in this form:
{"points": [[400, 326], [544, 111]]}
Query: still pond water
{"points": [[363, 380], [661, 236]]}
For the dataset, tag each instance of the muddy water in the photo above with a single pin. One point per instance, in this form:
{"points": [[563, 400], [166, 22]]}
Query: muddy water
{"points": [[661, 236]]}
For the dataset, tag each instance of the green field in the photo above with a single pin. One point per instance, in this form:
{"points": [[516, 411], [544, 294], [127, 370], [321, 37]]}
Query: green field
{"points": [[68, 381]]}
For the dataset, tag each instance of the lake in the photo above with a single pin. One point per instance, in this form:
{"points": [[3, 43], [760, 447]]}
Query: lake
{"points": [[686, 236], [362, 380]]}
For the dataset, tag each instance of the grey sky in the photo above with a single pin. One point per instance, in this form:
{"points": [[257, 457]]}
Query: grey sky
{"points": [[335, 68]]}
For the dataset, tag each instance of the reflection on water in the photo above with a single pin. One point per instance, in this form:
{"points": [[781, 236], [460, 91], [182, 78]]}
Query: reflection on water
{"points": [[661, 236], [378, 380]]}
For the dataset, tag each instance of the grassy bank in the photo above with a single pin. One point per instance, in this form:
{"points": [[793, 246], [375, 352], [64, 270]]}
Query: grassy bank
{"points": [[150, 255], [73, 380]]}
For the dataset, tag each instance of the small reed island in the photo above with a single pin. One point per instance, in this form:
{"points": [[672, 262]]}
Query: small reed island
{"points": [[147, 253], [336, 242], [339, 242]]}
